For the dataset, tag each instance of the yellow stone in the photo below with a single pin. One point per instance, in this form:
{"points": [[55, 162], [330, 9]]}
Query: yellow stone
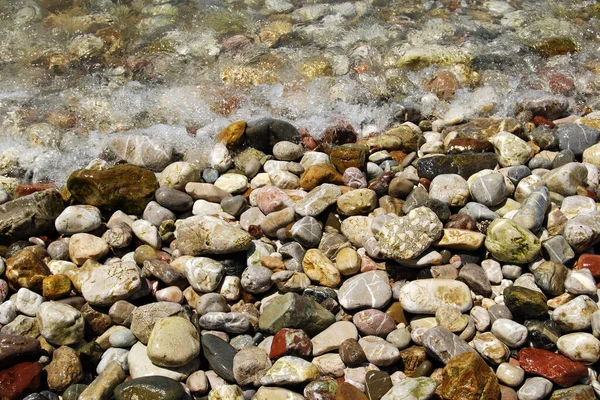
{"points": [[56, 286], [232, 134], [320, 269], [461, 239]]}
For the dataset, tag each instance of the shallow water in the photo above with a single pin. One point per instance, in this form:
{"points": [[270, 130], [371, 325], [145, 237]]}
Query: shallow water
{"points": [[73, 72]]}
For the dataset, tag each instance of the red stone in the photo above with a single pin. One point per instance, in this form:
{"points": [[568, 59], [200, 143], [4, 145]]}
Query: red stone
{"points": [[29, 188], [19, 381], [291, 342], [541, 120], [555, 367], [591, 262]]}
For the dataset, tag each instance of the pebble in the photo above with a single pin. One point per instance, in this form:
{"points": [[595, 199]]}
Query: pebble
{"points": [[489, 189], [509, 374], [425, 296], [289, 370], [60, 324], [580, 346], [78, 219], [535, 388], [173, 342], [378, 351]]}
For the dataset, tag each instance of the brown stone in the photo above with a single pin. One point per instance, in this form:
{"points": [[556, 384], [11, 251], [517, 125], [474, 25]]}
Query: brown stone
{"points": [[466, 145], [56, 286], [578, 392], [484, 128], [318, 174], [30, 188], [19, 381], [444, 85], [17, 348], [96, 322], [346, 391], [412, 357], [232, 134], [26, 270], [396, 312], [461, 221], [344, 157], [468, 377], [377, 383], [351, 352], [64, 370]]}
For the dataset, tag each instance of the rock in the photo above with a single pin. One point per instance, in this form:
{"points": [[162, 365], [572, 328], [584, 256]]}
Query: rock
{"points": [[232, 183], [78, 219], [307, 232], [535, 388], [144, 317], [122, 187], [146, 233], [357, 202], [575, 315], [20, 380], [351, 352], [204, 274], [176, 175], [577, 392], [491, 348], [555, 367], [206, 191], [31, 215], [576, 137], [443, 344], [290, 370], [318, 200], [234, 322], [156, 215], [250, 364], [64, 370], [220, 356], [378, 351], [28, 302], [488, 189], [174, 342], [525, 303], [582, 231], [474, 276], [467, 376], [324, 387], [105, 383], [119, 236], [140, 365], [510, 374], [511, 243], [319, 268], [319, 174], [109, 283], [226, 392], [294, 311], [83, 246], [354, 178], [26, 270], [580, 282], [408, 237], [333, 337], [290, 342], [210, 235], [510, 149], [425, 296], [142, 151], [287, 151], [451, 318], [533, 210], [421, 388], [461, 164], [591, 262], [580, 346], [451, 189], [373, 322], [352, 293], [150, 388], [264, 133], [550, 277], [461, 239], [348, 156], [347, 391], [15, 349], [60, 324], [377, 383], [175, 200], [565, 180], [271, 198], [510, 332]]}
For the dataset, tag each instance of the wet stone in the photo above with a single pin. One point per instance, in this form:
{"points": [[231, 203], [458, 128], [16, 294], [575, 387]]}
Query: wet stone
{"points": [[463, 165], [378, 383], [220, 355], [576, 137], [151, 388]]}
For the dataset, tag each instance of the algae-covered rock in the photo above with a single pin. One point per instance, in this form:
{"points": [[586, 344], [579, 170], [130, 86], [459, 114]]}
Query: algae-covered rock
{"points": [[123, 187], [509, 242]]}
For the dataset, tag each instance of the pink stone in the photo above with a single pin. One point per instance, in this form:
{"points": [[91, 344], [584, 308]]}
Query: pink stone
{"points": [[373, 322], [172, 294], [270, 199], [354, 178]]}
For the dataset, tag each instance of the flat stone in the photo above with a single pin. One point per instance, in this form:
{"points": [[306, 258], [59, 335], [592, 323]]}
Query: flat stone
{"points": [[533, 210], [220, 355], [175, 200], [443, 344], [352, 293], [460, 239], [425, 296], [565, 180], [140, 365], [333, 337], [294, 311], [488, 189], [558, 249], [577, 392], [319, 174], [373, 322], [20, 380], [15, 349], [461, 164], [357, 202], [78, 219], [109, 283], [555, 367], [83, 246], [144, 317], [233, 322], [535, 388], [307, 231], [576, 137], [525, 303], [378, 351]]}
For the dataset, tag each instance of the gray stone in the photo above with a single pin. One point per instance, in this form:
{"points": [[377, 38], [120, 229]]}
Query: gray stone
{"points": [[489, 189], [307, 232], [156, 214], [367, 290], [144, 317], [582, 231], [318, 200], [564, 180], [478, 211], [576, 137], [442, 344], [558, 250], [175, 200], [533, 210], [210, 235]]}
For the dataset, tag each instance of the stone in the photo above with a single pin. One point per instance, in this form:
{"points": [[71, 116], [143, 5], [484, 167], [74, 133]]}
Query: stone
{"points": [[64, 370], [509, 374], [83, 247], [461, 164], [78, 219], [250, 364], [591, 262], [206, 191], [21, 325], [319, 174], [443, 344], [467, 376], [16, 348], [28, 302], [579, 346], [151, 388], [420, 388], [576, 314], [573, 206], [451, 189], [425, 296], [319, 268], [373, 322], [226, 392], [20, 380], [357, 202], [264, 133], [333, 336], [294, 311], [203, 274], [317, 200], [122, 187], [354, 178], [209, 235], [220, 356], [558, 249], [352, 293], [104, 385], [307, 232], [555, 367], [460, 239], [511, 243], [582, 231], [580, 282], [271, 198], [176, 175], [156, 215], [550, 277], [234, 322], [535, 388], [256, 279], [450, 318], [276, 393], [142, 151], [30, 215], [26, 270], [324, 387], [577, 392], [565, 179], [175, 200], [348, 156], [290, 342], [348, 261], [173, 342], [109, 283], [491, 348], [60, 324], [290, 370], [525, 303], [408, 237], [144, 317], [140, 365], [510, 332], [576, 137], [377, 384], [378, 351], [348, 391]]}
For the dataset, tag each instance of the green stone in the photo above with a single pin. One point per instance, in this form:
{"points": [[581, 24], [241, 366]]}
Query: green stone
{"points": [[150, 388], [123, 187], [509, 242], [550, 277], [525, 303], [555, 46], [294, 311], [73, 391]]}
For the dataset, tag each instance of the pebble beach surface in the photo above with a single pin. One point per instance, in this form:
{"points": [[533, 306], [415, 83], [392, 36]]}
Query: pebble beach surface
{"points": [[281, 266]]}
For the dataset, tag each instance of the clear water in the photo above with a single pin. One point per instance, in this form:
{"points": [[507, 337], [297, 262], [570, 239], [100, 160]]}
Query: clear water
{"points": [[72, 72]]}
